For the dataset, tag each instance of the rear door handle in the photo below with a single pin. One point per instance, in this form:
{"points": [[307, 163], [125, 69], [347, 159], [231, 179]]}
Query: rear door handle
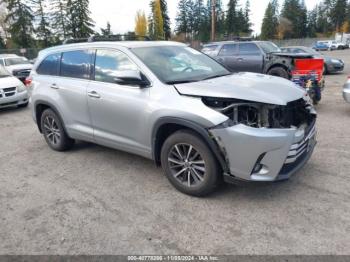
{"points": [[94, 94], [240, 59], [54, 86]]}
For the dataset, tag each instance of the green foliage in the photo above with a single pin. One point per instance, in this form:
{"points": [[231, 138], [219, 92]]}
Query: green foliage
{"points": [[80, 23], [270, 21], [106, 31], [296, 13], [60, 19], [20, 17], [43, 31], [153, 20]]}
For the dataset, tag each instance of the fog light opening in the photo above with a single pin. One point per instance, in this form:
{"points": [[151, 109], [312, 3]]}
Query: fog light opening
{"points": [[258, 166]]}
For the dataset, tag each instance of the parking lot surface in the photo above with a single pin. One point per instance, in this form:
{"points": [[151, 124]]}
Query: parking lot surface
{"points": [[95, 200]]}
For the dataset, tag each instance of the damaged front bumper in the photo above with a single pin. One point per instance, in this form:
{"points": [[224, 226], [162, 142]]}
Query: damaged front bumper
{"points": [[263, 154]]}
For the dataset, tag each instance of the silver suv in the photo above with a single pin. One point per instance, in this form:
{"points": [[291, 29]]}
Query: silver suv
{"points": [[170, 103]]}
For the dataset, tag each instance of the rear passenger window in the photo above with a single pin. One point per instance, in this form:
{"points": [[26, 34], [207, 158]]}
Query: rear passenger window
{"points": [[76, 64], [50, 65], [249, 49], [228, 50], [109, 63]]}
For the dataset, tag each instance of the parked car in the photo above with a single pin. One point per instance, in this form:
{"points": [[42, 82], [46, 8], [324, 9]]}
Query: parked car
{"points": [[175, 105], [339, 45], [257, 57], [332, 65], [329, 43], [18, 66], [12, 91], [346, 91], [321, 46]]}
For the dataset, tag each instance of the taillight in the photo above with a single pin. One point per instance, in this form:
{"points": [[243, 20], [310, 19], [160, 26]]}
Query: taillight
{"points": [[28, 81]]}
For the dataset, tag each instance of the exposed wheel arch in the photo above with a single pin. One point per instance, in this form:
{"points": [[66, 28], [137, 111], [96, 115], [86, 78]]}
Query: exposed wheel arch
{"points": [[40, 107], [167, 126], [277, 66]]}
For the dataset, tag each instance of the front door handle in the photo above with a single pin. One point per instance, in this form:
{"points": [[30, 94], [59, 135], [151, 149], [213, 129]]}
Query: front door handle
{"points": [[94, 94], [240, 59], [54, 86]]}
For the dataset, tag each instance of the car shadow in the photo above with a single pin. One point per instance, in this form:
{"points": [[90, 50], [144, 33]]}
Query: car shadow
{"points": [[12, 110]]}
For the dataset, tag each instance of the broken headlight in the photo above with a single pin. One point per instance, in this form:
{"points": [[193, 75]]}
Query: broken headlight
{"points": [[260, 115]]}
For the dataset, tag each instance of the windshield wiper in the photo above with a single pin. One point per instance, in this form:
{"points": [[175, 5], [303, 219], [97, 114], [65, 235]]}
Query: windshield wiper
{"points": [[180, 82], [216, 76]]}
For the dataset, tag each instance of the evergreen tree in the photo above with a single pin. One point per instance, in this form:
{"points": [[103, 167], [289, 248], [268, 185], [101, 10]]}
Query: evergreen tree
{"points": [[80, 23], [295, 12], [20, 18], [164, 16], [166, 19], [247, 25], [312, 23], [233, 25], [338, 14], [106, 31], [270, 21], [2, 43], [182, 21], [43, 31], [60, 20]]}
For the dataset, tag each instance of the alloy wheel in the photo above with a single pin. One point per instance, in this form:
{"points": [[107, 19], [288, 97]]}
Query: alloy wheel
{"points": [[52, 131], [186, 165]]}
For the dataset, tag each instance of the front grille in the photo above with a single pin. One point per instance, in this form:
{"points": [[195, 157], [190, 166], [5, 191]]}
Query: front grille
{"points": [[7, 92], [299, 149], [10, 89]]}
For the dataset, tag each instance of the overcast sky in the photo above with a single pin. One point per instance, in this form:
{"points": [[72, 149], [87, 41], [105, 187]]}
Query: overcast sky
{"points": [[121, 13]]}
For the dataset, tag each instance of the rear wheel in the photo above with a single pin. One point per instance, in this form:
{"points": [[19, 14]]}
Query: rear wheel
{"points": [[189, 164], [53, 131], [278, 71]]}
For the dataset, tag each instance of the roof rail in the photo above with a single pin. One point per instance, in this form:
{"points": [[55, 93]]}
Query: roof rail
{"points": [[130, 37], [109, 38], [75, 40]]}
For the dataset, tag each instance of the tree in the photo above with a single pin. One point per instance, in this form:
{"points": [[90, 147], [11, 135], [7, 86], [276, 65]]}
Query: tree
{"points": [[42, 30], [2, 43], [60, 22], [296, 13], [270, 21], [20, 18], [338, 13], [182, 23], [106, 31], [81, 24], [232, 19], [140, 23], [166, 19], [164, 16], [246, 19]]}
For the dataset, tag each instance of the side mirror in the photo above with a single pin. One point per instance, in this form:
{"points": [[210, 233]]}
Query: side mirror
{"points": [[131, 77]]}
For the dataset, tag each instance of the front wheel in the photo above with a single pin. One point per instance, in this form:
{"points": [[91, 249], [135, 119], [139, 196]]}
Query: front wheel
{"points": [[189, 164], [53, 131]]}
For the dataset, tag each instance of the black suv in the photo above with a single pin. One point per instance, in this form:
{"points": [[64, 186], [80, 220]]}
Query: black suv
{"points": [[255, 56]]}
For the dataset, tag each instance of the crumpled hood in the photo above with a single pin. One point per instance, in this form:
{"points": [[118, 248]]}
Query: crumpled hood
{"points": [[246, 86], [13, 68]]}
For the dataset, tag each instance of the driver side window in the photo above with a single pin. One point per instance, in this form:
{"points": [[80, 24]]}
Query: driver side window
{"points": [[109, 62]]}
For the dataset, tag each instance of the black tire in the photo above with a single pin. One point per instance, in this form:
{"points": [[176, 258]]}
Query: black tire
{"points": [[203, 182], [54, 133], [325, 70], [278, 71], [23, 105]]}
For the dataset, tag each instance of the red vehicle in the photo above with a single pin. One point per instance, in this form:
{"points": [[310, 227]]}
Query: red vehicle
{"points": [[308, 73]]}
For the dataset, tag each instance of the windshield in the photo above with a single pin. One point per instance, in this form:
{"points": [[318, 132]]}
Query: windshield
{"points": [[3, 72], [177, 64], [311, 51], [16, 61], [269, 47]]}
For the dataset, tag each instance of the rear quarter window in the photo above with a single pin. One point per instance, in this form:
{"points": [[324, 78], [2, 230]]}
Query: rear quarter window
{"points": [[50, 65], [76, 64]]}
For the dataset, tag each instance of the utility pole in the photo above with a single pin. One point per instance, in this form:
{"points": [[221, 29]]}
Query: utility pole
{"points": [[213, 19]]}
